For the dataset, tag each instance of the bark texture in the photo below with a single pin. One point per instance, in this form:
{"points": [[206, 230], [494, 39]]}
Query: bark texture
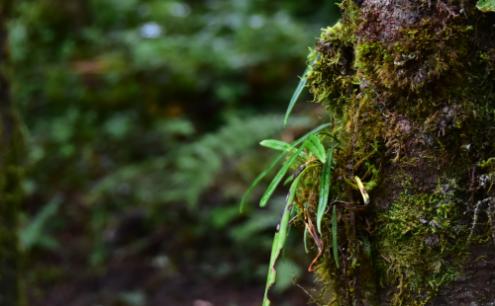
{"points": [[9, 177], [410, 89]]}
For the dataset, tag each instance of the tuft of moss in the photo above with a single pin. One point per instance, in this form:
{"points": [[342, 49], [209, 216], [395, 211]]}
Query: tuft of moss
{"points": [[332, 77], [419, 242]]}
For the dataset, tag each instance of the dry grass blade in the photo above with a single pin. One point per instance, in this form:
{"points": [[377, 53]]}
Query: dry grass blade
{"points": [[364, 193], [318, 242]]}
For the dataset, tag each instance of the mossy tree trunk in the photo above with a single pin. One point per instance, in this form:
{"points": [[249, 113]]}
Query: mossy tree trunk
{"points": [[410, 89], [9, 176]]}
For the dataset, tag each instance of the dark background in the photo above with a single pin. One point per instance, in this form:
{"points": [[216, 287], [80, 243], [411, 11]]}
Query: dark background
{"points": [[141, 120]]}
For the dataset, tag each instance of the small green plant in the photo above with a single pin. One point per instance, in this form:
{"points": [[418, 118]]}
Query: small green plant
{"points": [[310, 162], [486, 5]]}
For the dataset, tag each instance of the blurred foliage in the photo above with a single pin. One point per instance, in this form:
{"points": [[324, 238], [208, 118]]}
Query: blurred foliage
{"points": [[190, 169], [142, 116], [34, 234]]}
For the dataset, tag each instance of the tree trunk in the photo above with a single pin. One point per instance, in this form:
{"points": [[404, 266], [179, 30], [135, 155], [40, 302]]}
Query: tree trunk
{"points": [[9, 177], [410, 89]]}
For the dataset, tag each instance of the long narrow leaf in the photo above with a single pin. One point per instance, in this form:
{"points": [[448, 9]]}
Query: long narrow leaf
{"points": [[279, 176], [316, 147], [335, 243], [293, 189], [274, 163], [324, 190], [289, 179], [277, 246], [313, 131], [34, 232], [259, 178], [295, 96], [276, 145]]}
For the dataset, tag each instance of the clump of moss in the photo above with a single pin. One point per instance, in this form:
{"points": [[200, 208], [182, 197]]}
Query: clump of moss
{"points": [[417, 239], [332, 76], [405, 46]]}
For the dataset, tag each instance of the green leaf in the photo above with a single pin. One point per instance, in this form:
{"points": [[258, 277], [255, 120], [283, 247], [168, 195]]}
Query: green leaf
{"points": [[293, 189], [315, 146], [274, 163], [278, 244], [289, 179], [313, 131], [34, 233], [486, 5], [276, 145], [335, 243], [296, 94], [324, 190], [259, 178], [279, 176]]}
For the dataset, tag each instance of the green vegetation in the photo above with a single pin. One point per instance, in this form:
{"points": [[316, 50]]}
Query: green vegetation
{"points": [[420, 243], [409, 92], [304, 154], [486, 5], [141, 120]]}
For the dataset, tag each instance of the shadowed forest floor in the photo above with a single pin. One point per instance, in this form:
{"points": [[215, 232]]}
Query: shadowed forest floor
{"points": [[140, 282]]}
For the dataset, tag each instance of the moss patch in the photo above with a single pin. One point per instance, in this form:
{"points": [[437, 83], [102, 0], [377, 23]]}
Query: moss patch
{"points": [[418, 239]]}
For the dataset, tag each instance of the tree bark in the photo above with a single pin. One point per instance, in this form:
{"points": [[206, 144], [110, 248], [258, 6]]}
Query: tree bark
{"points": [[410, 89], [9, 176]]}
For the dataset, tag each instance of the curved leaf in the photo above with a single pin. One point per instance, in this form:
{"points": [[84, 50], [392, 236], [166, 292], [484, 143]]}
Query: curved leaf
{"points": [[305, 240], [296, 94], [315, 146], [258, 179], [278, 177], [276, 145], [362, 190], [274, 163], [293, 189]]}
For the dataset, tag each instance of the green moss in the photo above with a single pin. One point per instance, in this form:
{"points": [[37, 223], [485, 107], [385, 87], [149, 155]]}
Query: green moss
{"points": [[418, 239], [332, 77], [416, 60]]}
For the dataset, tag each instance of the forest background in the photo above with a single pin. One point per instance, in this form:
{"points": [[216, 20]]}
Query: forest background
{"points": [[142, 120]]}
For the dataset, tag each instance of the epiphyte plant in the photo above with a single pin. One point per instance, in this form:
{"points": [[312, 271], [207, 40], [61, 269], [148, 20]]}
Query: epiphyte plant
{"points": [[310, 162]]}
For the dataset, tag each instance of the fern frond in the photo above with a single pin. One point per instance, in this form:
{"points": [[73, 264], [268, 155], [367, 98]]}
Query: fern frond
{"points": [[183, 175]]}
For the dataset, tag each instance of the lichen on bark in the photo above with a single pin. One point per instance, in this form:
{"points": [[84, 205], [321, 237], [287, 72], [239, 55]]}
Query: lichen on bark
{"points": [[410, 91]]}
